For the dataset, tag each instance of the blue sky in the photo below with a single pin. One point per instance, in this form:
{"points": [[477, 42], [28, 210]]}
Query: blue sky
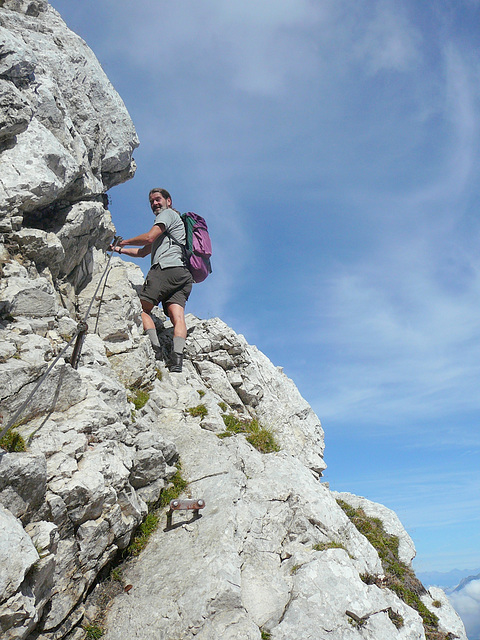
{"points": [[332, 147]]}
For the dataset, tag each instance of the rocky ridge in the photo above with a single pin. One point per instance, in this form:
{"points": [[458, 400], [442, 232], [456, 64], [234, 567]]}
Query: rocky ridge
{"points": [[273, 554]]}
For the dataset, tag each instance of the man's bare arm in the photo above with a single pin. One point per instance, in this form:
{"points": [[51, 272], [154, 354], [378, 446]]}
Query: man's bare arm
{"points": [[141, 252], [145, 238]]}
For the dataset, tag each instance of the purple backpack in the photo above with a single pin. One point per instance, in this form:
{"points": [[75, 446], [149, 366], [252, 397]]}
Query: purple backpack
{"points": [[198, 247]]}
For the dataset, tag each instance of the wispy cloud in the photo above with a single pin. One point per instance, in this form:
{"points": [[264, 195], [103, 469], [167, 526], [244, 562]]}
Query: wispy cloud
{"points": [[458, 106], [409, 343], [389, 40], [253, 48], [404, 316]]}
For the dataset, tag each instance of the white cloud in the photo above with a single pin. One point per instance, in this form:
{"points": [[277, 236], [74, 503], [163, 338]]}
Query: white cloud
{"points": [[467, 603]]}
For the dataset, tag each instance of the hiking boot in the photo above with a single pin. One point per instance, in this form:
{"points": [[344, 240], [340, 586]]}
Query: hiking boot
{"points": [[176, 361], [158, 352]]}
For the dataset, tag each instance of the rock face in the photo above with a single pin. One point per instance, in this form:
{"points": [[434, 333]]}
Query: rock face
{"points": [[273, 554], [65, 138]]}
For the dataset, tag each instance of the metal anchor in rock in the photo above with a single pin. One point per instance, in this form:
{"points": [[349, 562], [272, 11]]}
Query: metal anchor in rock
{"points": [[186, 504]]}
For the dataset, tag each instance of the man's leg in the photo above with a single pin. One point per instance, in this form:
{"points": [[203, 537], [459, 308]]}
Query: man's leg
{"points": [[148, 323], [176, 313]]}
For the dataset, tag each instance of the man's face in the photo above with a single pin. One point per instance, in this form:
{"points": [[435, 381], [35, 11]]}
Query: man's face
{"points": [[158, 202]]}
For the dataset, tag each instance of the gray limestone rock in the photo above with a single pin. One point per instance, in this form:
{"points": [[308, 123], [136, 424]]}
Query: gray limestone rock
{"points": [[323, 605], [78, 139], [261, 547], [65, 138], [149, 462], [84, 494], [242, 375], [117, 312], [17, 554], [44, 248], [45, 537], [15, 112], [75, 234], [17, 63], [25, 297], [69, 585], [273, 548], [18, 616], [23, 481], [61, 389]]}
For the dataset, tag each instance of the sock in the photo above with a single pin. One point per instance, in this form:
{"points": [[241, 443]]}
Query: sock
{"points": [[152, 334], [178, 344]]}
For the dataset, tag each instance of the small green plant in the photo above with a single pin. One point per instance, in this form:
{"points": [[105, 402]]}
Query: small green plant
{"points": [[437, 604], [223, 406], [139, 397], [145, 530], [265, 635], [259, 437], [159, 374], [13, 442], [385, 544], [396, 618], [201, 392], [323, 546], [93, 632], [199, 411], [177, 486], [234, 424], [294, 569], [413, 600], [116, 575]]}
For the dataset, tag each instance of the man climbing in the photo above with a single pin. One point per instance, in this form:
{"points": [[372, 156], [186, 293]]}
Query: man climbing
{"points": [[168, 281]]}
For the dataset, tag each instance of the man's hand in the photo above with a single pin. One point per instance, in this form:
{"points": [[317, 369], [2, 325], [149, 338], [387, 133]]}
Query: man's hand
{"points": [[117, 242]]}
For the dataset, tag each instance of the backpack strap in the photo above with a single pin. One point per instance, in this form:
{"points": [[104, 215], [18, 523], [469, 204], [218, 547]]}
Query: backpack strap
{"points": [[185, 253]]}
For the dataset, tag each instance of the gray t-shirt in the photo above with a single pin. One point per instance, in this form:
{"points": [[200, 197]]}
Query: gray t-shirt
{"points": [[165, 252]]}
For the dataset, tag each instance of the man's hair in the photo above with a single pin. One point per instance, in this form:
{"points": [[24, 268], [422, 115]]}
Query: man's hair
{"points": [[164, 193]]}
